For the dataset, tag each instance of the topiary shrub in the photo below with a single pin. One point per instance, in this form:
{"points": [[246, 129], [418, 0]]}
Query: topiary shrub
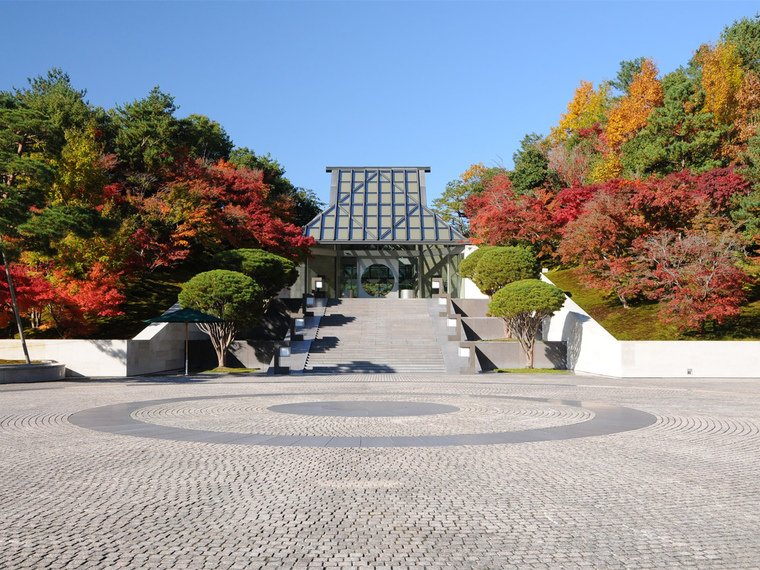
{"points": [[228, 295], [468, 264], [270, 272], [498, 266], [523, 305]]}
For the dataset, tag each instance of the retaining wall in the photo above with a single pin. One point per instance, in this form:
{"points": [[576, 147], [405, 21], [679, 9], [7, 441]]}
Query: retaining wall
{"points": [[591, 349]]}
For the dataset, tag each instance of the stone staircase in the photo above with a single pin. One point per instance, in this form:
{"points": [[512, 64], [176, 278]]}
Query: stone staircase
{"points": [[374, 336]]}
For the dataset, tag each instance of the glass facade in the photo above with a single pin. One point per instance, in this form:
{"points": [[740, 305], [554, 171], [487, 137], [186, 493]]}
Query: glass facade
{"points": [[382, 206], [378, 237]]}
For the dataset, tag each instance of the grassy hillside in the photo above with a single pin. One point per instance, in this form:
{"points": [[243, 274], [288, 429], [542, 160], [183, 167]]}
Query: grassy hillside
{"points": [[641, 323], [147, 298]]}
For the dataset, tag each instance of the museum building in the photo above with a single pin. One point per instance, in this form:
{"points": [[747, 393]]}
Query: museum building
{"points": [[378, 238]]}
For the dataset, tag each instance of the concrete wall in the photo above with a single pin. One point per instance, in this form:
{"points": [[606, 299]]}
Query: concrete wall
{"points": [[487, 356], [469, 289], [591, 349], [81, 357], [160, 347]]}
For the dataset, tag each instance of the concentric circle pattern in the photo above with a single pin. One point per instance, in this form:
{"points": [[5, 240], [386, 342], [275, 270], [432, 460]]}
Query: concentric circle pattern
{"points": [[474, 420], [256, 416]]}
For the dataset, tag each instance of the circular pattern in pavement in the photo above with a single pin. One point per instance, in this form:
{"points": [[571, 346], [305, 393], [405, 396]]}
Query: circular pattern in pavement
{"points": [[238, 419], [363, 409]]}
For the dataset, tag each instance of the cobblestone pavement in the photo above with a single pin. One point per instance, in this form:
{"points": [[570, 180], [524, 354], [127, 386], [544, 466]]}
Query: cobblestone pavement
{"points": [[683, 491]]}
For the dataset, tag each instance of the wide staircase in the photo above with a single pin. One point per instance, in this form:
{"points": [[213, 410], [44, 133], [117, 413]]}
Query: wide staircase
{"points": [[375, 336]]}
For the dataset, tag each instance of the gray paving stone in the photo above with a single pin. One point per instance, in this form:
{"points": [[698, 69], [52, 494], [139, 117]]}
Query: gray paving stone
{"points": [[681, 492]]}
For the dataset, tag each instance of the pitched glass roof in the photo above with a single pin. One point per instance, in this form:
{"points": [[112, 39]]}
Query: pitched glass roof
{"points": [[380, 205]]}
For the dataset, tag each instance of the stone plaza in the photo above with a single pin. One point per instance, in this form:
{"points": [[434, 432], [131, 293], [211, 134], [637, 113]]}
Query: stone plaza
{"points": [[489, 471]]}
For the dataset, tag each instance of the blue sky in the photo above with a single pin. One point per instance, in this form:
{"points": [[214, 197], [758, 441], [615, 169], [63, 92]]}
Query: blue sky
{"points": [[363, 83]]}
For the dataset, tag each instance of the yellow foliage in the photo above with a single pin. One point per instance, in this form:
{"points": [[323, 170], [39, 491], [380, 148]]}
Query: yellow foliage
{"points": [[606, 169], [630, 114], [722, 78], [587, 108], [79, 172], [473, 173]]}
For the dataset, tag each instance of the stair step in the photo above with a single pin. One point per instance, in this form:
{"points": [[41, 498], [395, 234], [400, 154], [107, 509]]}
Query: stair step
{"points": [[378, 335]]}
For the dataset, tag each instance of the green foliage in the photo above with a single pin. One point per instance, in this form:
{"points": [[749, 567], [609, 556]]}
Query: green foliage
{"points": [[271, 272], [532, 166], [54, 223], [526, 297], [229, 295], [745, 35], [678, 136], [468, 265], [628, 69], [499, 266], [523, 305], [148, 135], [450, 205], [205, 139], [24, 169]]}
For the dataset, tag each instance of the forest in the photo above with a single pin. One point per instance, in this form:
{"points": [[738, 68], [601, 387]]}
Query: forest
{"points": [[648, 188], [95, 202]]}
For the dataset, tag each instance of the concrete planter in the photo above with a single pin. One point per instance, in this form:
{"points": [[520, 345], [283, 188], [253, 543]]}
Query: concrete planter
{"points": [[37, 372]]}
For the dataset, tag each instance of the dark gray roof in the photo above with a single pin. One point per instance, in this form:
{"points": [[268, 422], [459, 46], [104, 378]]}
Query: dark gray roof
{"points": [[380, 205]]}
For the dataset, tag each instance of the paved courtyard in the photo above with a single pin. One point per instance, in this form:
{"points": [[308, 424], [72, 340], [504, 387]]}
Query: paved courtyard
{"points": [[383, 471]]}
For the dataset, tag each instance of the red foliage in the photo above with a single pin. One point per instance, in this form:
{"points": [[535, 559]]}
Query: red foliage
{"points": [[720, 184], [79, 303], [73, 305], [694, 276], [211, 208], [599, 242], [498, 217], [33, 293], [569, 203]]}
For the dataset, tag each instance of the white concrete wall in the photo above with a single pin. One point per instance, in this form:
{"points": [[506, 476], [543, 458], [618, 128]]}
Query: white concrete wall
{"points": [[81, 357], [705, 359], [469, 289], [157, 348], [593, 350], [590, 348]]}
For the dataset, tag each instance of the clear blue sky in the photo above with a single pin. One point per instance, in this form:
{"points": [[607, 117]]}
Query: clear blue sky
{"points": [[316, 84]]}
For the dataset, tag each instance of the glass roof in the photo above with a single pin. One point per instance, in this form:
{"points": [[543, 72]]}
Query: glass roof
{"points": [[380, 205]]}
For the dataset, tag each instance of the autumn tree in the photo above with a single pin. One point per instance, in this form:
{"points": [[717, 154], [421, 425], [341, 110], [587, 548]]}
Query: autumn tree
{"points": [[587, 108], [625, 75], [694, 275], [721, 78], [522, 306], [630, 113], [499, 217], [227, 295], [598, 242], [745, 35], [298, 205], [678, 135]]}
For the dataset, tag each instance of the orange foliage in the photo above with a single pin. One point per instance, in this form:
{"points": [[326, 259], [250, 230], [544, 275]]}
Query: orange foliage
{"points": [[631, 112], [747, 115], [586, 108]]}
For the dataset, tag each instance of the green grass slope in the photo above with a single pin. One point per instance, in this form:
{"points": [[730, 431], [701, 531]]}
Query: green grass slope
{"points": [[640, 322]]}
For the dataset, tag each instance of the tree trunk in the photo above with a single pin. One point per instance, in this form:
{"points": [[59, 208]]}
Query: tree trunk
{"points": [[15, 308], [221, 355], [529, 353]]}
